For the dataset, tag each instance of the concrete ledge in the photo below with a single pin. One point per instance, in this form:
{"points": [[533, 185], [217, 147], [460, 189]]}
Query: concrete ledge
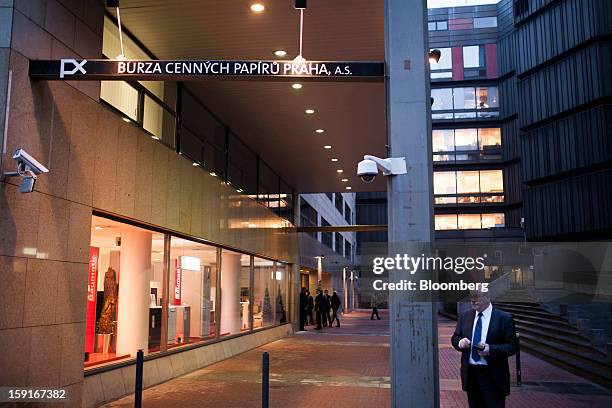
{"points": [[114, 384]]}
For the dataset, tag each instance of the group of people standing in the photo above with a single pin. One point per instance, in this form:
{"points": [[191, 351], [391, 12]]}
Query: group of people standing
{"points": [[323, 306]]}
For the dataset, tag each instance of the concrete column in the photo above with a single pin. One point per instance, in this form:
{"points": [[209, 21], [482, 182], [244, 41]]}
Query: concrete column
{"points": [[319, 271], [230, 292], [134, 299], [414, 350]]}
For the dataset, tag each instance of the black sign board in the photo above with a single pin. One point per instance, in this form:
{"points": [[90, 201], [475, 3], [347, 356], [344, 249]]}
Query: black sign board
{"points": [[172, 70]]}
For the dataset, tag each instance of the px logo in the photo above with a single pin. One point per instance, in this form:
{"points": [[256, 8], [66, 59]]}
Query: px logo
{"points": [[77, 66]]}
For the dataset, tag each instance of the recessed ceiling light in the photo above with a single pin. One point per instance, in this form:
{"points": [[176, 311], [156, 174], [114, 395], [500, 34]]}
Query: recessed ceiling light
{"points": [[334, 159], [320, 130], [212, 173], [128, 120], [155, 137], [327, 147], [195, 164], [257, 7], [349, 188], [344, 180], [296, 86], [280, 53], [98, 227], [339, 171], [309, 111]]}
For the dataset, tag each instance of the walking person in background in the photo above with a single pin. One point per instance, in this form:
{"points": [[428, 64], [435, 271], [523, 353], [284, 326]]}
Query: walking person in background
{"points": [[320, 303], [303, 308], [486, 337], [335, 305], [309, 308], [374, 303], [328, 309]]}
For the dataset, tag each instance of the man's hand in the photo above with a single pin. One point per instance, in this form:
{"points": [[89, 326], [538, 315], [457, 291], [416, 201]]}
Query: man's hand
{"points": [[484, 352], [464, 343]]}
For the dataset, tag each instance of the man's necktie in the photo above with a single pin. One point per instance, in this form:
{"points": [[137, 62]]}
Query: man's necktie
{"points": [[476, 337]]}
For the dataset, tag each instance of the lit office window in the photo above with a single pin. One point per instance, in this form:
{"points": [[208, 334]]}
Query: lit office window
{"points": [[489, 138], [487, 97], [468, 182], [485, 22], [466, 139], [464, 98], [443, 140], [473, 56], [465, 103], [443, 99], [441, 25], [468, 221], [445, 222], [444, 182], [431, 26], [493, 220], [491, 181]]}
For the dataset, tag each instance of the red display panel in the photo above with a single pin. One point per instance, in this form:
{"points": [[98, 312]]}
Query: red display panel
{"points": [[178, 277], [92, 290]]}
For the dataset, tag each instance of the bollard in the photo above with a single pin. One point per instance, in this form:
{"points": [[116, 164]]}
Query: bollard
{"points": [[138, 382], [265, 380], [519, 379]]}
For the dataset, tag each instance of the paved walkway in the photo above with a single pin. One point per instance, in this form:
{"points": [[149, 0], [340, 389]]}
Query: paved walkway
{"points": [[349, 367]]}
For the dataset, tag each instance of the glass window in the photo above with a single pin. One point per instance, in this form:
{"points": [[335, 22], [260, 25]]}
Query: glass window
{"points": [[281, 305], [339, 202], [442, 25], [445, 62], [286, 202], [446, 221], [339, 247], [441, 75], [473, 57], [444, 182], [493, 220], [121, 96], [466, 139], [491, 181], [326, 237], [192, 286], [487, 97], [347, 250], [268, 186], [431, 26], [242, 166], [464, 98], [467, 182], [443, 157], [124, 287], [235, 286], [263, 293], [485, 22], [443, 99], [347, 213], [489, 138], [468, 221], [443, 140]]}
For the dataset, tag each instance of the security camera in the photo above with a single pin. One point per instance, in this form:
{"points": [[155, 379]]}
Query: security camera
{"points": [[28, 162], [368, 168], [27, 168]]}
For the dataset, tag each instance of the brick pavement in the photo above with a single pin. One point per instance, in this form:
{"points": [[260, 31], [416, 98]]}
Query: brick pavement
{"points": [[349, 367]]}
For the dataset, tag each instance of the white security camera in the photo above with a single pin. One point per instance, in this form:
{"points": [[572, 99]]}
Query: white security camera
{"points": [[28, 162], [368, 168], [27, 168]]}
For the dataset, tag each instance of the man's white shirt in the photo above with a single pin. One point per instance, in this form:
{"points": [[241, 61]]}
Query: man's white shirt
{"points": [[485, 319]]}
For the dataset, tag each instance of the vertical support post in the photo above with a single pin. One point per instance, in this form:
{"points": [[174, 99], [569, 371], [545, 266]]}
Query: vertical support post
{"points": [[519, 379], [179, 113], [251, 291], [319, 271], [165, 293], [265, 380], [138, 382], [414, 337]]}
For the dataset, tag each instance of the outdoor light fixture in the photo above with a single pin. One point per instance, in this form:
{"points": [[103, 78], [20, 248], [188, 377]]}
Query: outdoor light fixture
{"points": [[334, 159], [344, 180], [280, 53], [309, 111], [339, 171], [257, 7], [349, 188], [300, 5], [195, 164], [320, 130], [327, 147], [296, 86], [434, 56]]}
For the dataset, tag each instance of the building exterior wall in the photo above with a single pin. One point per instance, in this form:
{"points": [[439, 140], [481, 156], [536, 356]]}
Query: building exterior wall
{"points": [[557, 103], [97, 162]]}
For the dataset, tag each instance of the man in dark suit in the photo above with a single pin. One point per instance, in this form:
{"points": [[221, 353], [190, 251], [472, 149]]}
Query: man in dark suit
{"points": [[486, 338], [320, 305]]}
